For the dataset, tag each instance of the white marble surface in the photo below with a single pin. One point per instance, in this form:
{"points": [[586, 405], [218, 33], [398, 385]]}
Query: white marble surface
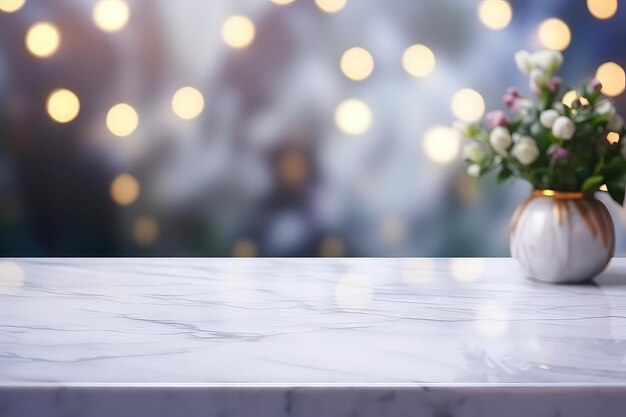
{"points": [[375, 326]]}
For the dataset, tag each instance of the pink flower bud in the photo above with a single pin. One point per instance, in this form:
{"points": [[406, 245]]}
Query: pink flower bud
{"points": [[595, 85], [558, 153], [513, 91], [496, 118], [554, 84], [512, 94]]}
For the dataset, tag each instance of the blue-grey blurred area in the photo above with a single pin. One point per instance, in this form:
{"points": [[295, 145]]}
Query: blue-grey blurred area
{"points": [[264, 169]]}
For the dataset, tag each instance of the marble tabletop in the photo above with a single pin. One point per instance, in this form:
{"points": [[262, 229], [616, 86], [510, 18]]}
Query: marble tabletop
{"points": [[372, 325]]}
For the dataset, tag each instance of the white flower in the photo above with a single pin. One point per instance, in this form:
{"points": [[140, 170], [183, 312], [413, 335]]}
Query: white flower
{"points": [[523, 60], [538, 78], [547, 60], [524, 106], [519, 137], [616, 123], [525, 151], [500, 139], [473, 170], [463, 128], [563, 128], [474, 152], [547, 118], [605, 107]]}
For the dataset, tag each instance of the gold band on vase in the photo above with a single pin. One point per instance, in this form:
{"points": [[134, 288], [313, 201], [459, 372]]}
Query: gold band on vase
{"points": [[560, 195]]}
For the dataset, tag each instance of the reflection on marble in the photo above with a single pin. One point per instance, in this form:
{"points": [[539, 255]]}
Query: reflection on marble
{"points": [[432, 334]]}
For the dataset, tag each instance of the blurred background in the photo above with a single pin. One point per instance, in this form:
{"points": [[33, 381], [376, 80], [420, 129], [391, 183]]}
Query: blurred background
{"points": [[270, 127]]}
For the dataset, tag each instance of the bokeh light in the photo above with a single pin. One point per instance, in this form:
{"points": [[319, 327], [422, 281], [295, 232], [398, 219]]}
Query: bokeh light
{"points": [[495, 14], [293, 169], [245, 248], [43, 39], [569, 98], [332, 246], [145, 231], [282, 2], [125, 189], [602, 9], [357, 64], [554, 34], [468, 105], [441, 144], [122, 120], [187, 103], [238, 31], [331, 6], [418, 60], [353, 117], [111, 15], [11, 6], [612, 137], [612, 77], [63, 105], [11, 277], [393, 229]]}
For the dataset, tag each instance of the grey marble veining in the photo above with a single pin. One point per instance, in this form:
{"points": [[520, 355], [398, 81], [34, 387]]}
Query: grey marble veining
{"points": [[440, 334]]}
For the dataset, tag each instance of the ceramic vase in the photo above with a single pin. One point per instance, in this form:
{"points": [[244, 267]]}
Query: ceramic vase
{"points": [[562, 237]]}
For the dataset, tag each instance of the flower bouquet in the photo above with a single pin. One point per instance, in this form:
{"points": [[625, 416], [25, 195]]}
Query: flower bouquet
{"points": [[567, 146]]}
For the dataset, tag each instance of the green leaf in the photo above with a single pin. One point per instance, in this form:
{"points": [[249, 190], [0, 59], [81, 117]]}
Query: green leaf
{"points": [[617, 191], [592, 183], [616, 167], [504, 175]]}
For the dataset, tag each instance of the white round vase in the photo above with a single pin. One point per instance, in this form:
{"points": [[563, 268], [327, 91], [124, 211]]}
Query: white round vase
{"points": [[562, 237]]}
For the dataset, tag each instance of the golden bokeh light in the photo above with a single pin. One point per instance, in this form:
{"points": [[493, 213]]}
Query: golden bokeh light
{"points": [[11, 278], [245, 248], [43, 39], [418, 60], [393, 229], [63, 105], [602, 9], [569, 98], [125, 189], [332, 246], [282, 2], [238, 31], [554, 34], [111, 15], [612, 137], [612, 77], [11, 6], [495, 14], [187, 103], [468, 105], [357, 64], [331, 6], [353, 117], [441, 144], [293, 169], [145, 231], [122, 120]]}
